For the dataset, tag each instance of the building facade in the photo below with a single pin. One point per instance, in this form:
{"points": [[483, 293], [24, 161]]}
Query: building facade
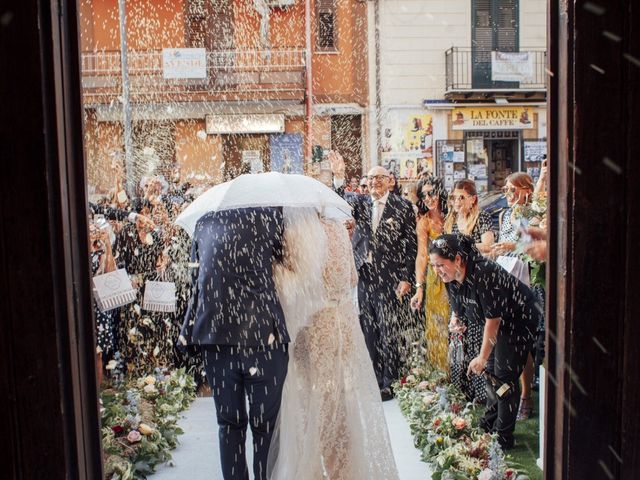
{"points": [[223, 87], [461, 88]]}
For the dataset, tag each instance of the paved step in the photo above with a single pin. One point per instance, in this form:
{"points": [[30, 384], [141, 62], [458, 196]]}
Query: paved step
{"points": [[197, 457]]}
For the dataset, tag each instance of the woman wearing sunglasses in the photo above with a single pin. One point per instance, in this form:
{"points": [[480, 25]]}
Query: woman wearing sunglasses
{"points": [[432, 209], [518, 191], [482, 293], [465, 217]]}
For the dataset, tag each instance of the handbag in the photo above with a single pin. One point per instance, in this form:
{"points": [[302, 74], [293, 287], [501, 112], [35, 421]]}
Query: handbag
{"points": [[515, 267], [159, 296], [113, 290]]}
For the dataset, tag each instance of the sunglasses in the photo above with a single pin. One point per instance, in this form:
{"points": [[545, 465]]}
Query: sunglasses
{"points": [[431, 193], [441, 243], [506, 190], [461, 198]]}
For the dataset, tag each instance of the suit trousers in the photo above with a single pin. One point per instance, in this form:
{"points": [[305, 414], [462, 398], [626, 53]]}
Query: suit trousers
{"points": [[235, 374], [506, 362], [380, 323]]}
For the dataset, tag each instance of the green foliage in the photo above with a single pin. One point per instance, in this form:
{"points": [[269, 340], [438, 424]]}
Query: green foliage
{"points": [[139, 422], [445, 429]]}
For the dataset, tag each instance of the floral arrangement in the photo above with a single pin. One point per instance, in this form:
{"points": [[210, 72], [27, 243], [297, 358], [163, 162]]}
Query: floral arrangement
{"points": [[139, 421], [445, 429]]}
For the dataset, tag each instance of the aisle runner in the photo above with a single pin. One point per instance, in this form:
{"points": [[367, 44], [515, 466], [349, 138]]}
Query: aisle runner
{"points": [[197, 457]]}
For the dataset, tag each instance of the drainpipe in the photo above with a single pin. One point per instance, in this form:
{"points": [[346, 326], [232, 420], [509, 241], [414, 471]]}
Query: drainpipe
{"points": [[378, 85], [129, 167], [309, 80]]}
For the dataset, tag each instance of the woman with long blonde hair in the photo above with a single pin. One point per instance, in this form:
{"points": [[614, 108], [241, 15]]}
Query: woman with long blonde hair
{"points": [[466, 217]]}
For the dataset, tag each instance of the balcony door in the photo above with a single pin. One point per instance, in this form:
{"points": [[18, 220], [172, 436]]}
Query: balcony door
{"points": [[494, 27]]}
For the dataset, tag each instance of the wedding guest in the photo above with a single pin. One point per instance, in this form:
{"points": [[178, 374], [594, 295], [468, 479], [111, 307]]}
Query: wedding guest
{"points": [[394, 187], [145, 337], [465, 217], [353, 185], [432, 204], [482, 292], [518, 191], [384, 246], [102, 262], [364, 187]]}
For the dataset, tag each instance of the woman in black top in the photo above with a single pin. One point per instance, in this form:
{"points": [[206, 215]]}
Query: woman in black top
{"points": [[483, 293]]}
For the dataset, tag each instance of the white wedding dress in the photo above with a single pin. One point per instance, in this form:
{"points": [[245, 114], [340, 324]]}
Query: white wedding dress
{"points": [[331, 423]]}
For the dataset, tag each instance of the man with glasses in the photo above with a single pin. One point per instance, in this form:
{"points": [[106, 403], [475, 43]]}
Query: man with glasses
{"points": [[384, 247]]}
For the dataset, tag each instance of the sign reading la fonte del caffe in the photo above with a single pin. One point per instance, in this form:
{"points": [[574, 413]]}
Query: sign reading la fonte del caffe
{"points": [[491, 118]]}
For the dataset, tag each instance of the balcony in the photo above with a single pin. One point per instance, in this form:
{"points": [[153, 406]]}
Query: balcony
{"points": [[231, 75], [469, 75]]}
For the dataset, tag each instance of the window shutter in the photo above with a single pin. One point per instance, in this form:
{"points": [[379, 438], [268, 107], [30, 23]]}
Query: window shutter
{"points": [[326, 23], [507, 26]]}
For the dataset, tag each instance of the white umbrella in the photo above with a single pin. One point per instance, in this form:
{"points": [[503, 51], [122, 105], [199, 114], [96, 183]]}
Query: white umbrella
{"points": [[271, 189]]}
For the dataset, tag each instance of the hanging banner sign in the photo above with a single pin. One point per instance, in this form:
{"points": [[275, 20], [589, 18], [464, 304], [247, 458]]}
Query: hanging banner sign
{"points": [[491, 118], [511, 66], [184, 63]]}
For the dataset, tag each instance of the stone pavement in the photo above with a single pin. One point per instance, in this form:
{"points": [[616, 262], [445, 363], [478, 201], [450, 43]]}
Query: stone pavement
{"points": [[196, 458]]}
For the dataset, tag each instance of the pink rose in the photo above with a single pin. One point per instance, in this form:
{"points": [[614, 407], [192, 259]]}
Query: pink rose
{"points": [[134, 436], [459, 423]]}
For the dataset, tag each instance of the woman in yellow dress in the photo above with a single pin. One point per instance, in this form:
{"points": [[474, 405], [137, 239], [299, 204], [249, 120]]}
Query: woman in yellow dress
{"points": [[432, 204]]}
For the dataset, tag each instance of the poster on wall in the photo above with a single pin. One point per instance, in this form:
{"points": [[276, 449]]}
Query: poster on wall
{"points": [[253, 159], [535, 151], [407, 143], [286, 153], [406, 164]]}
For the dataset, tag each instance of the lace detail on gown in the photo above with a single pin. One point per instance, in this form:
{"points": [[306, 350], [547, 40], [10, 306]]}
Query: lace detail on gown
{"points": [[331, 421]]}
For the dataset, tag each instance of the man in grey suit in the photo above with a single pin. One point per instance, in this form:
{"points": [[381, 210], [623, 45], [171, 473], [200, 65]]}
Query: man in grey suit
{"points": [[385, 247]]}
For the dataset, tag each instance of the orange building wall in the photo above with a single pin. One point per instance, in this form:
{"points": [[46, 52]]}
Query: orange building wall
{"points": [[151, 24], [342, 77], [199, 157], [101, 139]]}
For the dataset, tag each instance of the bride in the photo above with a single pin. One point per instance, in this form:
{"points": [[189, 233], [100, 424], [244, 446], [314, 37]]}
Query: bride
{"points": [[331, 423]]}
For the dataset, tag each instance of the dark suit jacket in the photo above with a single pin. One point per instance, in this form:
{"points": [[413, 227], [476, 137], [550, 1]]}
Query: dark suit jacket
{"points": [[234, 299], [394, 244]]}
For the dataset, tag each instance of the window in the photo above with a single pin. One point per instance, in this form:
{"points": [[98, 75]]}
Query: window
{"points": [[326, 16], [495, 27]]}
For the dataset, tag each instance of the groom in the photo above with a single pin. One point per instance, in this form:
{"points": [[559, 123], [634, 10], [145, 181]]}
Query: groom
{"points": [[235, 317]]}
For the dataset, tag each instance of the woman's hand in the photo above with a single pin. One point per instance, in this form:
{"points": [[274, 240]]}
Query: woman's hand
{"points": [[477, 366], [502, 248], [416, 300], [455, 326]]}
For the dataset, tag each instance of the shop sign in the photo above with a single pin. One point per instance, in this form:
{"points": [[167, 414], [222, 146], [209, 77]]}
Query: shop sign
{"points": [[491, 118], [184, 63], [235, 124]]}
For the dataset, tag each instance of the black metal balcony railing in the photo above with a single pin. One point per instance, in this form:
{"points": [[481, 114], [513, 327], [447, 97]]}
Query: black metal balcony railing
{"points": [[470, 69], [246, 70]]}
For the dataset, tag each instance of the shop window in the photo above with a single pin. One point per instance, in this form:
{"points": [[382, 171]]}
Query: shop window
{"points": [[327, 31]]}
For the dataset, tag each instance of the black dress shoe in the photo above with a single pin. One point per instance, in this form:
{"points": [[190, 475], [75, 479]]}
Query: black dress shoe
{"points": [[386, 394]]}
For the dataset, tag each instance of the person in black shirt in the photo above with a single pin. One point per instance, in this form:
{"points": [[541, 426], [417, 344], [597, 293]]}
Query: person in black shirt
{"points": [[482, 293]]}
